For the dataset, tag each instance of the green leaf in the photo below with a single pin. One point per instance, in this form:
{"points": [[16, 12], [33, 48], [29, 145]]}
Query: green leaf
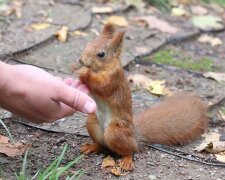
{"points": [[208, 22]]}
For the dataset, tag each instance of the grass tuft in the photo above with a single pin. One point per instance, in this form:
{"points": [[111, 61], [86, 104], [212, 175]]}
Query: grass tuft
{"points": [[54, 171], [167, 57], [7, 130]]}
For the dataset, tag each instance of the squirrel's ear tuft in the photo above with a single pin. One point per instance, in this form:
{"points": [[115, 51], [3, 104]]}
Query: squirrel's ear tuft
{"points": [[108, 29], [116, 42]]}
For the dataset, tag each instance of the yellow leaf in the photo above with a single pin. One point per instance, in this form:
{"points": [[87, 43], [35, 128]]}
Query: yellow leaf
{"points": [[211, 144], [108, 162], [61, 35], [79, 33], [101, 9], [40, 26], [220, 157], [139, 80], [156, 87], [117, 20], [154, 23], [219, 77], [177, 11], [116, 171], [214, 41]]}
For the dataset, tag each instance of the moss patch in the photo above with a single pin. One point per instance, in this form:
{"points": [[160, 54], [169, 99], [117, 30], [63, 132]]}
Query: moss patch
{"points": [[172, 58]]}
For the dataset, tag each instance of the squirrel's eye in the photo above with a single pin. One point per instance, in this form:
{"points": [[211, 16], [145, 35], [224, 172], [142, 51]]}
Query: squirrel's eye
{"points": [[101, 54]]}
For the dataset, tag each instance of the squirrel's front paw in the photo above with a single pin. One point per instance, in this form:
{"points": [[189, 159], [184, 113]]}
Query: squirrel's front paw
{"points": [[84, 74]]}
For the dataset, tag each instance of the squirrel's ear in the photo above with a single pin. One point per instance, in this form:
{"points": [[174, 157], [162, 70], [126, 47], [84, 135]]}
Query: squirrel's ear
{"points": [[108, 29], [116, 42]]}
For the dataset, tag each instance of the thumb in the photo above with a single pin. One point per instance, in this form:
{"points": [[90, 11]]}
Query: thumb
{"points": [[76, 99]]}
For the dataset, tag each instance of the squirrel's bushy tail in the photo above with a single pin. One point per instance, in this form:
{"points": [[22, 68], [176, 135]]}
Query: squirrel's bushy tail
{"points": [[176, 120]]}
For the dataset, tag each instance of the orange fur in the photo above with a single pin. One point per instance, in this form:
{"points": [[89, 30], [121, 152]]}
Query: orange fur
{"points": [[176, 120]]}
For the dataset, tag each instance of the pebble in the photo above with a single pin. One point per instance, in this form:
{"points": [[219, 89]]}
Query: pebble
{"points": [[152, 177]]}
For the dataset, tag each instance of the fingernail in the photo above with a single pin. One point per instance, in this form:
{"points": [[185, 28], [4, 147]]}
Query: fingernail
{"points": [[90, 107]]}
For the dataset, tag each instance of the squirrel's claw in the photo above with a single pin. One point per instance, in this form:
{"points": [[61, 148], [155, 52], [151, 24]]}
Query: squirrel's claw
{"points": [[127, 163]]}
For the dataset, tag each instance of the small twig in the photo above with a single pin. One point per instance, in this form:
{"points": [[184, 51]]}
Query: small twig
{"points": [[185, 155]]}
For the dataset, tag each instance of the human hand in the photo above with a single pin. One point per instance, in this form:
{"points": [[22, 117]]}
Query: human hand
{"points": [[40, 97]]}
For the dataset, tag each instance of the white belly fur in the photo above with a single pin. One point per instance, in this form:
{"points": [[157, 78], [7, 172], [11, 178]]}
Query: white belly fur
{"points": [[103, 113]]}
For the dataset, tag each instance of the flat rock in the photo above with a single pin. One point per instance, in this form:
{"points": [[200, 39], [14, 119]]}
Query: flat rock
{"points": [[18, 36]]}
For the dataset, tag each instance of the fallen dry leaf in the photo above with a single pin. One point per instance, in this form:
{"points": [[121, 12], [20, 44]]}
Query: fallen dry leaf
{"points": [[219, 77], [100, 10], [61, 35], [117, 171], [222, 114], [218, 8], [211, 144], [220, 157], [156, 87], [14, 7], [139, 80], [214, 41], [117, 20], [208, 22], [40, 26], [79, 33], [155, 23], [108, 162], [199, 10], [179, 11], [11, 149], [3, 139], [142, 49]]}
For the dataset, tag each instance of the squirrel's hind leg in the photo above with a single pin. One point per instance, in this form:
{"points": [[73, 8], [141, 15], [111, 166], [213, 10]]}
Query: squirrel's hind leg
{"points": [[96, 135], [122, 141]]}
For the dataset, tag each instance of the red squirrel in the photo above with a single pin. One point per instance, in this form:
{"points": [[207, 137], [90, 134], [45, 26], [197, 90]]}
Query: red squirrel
{"points": [[176, 120]]}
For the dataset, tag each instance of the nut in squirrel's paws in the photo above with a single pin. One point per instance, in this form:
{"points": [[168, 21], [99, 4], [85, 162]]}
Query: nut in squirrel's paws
{"points": [[90, 148], [127, 163]]}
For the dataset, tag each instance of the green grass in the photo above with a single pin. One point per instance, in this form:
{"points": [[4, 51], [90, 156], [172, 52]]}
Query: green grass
{"points": [[166, 5], [4, 2], [223, 110], [163, 5], [167, 57], [54, 171], [219, 2], [7, 130]]}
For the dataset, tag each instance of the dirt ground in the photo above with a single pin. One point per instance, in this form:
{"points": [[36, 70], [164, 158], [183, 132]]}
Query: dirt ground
{"points": [[40, 48]]}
